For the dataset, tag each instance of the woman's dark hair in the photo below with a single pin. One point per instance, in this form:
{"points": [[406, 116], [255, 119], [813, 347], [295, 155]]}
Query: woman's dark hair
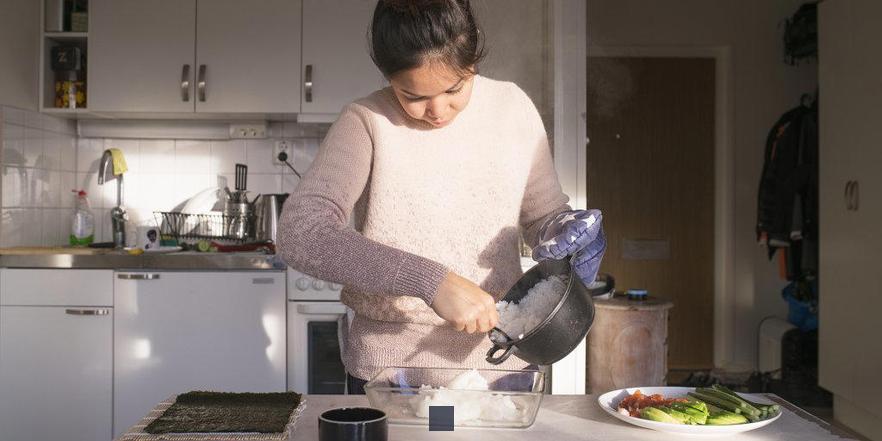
{"points": [[407, 33]]}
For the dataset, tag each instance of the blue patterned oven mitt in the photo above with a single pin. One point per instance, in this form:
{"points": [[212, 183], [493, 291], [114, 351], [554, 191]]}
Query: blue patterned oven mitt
{"points": [[576, 233]]}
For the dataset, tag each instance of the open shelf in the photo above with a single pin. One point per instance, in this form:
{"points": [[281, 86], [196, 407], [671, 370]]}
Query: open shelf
{"points": [[48, 41], [66, 36]]}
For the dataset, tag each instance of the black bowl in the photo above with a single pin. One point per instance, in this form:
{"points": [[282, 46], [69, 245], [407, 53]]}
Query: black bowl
{"points": [[556, 336], [353, 424]]}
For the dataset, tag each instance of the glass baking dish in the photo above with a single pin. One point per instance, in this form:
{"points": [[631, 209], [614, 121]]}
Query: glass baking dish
{"points": [[511, 398]]}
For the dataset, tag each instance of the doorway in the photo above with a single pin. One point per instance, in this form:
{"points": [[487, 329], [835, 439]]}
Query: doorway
{"points": [[651, 169]]}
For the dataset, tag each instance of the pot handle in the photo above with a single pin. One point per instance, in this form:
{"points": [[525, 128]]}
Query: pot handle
{"points": [[497, 360]]}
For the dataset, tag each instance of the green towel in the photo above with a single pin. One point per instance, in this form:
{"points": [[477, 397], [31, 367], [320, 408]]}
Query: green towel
{"points": [[198, 411]]}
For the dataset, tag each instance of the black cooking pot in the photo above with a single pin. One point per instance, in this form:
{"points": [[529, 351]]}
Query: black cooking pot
{"points": [[560, 332]]}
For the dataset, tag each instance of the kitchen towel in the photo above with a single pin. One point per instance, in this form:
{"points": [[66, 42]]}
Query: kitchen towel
{"points": [[119, 161]]}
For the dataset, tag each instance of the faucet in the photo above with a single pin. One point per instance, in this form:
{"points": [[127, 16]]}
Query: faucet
{"points": [[118, 216]]}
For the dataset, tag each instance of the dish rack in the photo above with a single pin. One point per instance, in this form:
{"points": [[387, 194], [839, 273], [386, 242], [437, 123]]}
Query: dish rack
{"points": [[209, 226]]}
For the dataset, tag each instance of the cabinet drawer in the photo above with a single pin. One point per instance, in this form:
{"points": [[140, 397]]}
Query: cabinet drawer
{"points": [[48, 287]]}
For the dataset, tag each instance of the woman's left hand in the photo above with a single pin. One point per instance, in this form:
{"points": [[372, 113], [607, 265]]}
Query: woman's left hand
{"points": [[576, 233]]}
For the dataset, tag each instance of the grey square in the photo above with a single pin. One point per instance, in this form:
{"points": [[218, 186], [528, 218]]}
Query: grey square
{"points": [[440, 418]]}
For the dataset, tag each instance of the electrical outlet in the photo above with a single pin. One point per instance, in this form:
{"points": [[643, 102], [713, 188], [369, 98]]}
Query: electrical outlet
{"points": [[283, 146], [248, 131]]}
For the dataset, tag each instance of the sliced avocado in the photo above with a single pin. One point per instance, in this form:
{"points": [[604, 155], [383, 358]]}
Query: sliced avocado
{"points": [[654, 414], [695, 404], [695, 416], [682, 417]]}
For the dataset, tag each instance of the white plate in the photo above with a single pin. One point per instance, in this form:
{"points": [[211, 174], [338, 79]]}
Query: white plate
{"points": [[610, 403]]}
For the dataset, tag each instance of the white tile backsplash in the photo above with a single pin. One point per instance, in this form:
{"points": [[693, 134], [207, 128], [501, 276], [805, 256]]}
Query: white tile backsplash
{"points": [[259, 154], [158, 156], [32, 151], [43, 160], [68, 183], [225, 155], [89, 183], [192, 157], [21, 227], [56, 228], [13, 144], [89, 154]]}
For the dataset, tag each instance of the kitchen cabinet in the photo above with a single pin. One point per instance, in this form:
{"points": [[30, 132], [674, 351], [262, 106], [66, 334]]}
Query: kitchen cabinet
{"points": [[140, 54], [850, 203], [163, 56], [336, 66], [181, 331], [56, 354]]}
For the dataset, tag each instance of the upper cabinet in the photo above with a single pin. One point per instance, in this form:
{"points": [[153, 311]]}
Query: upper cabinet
{"points": [[248, 56], [213, 56], [141, 55], [336, 67]]}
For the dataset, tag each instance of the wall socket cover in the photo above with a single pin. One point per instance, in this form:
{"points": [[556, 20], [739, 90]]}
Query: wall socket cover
{"points": [[248, 131], [283, 145]]}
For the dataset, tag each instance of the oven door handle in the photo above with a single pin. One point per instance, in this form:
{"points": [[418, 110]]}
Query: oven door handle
{"points": [[328, 309]]}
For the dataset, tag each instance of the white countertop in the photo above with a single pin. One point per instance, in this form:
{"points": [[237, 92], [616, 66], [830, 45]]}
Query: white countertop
{"points": [[569, 417]]}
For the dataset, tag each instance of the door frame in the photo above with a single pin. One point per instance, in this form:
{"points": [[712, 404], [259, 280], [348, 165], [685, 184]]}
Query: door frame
{"points": [[724, 179]]}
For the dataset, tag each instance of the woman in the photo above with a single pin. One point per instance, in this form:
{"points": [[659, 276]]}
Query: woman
{"points": [[440, 173]]}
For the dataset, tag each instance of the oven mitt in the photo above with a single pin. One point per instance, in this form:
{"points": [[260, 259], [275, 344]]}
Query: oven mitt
{"points": [[576, 233]]}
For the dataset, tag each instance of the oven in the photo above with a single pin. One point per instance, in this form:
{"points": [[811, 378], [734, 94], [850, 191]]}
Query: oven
{"points": [[314, 321]]}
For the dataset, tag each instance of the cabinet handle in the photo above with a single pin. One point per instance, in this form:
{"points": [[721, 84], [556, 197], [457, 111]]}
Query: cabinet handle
{"points": [[87, 311], [855, 196], [322, 309], [307, 83], [201, 82], [137, 276], [185, 83], [847, 195]]}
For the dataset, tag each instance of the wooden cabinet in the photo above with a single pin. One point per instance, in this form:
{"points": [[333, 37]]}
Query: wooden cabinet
{"points": [[337, 68], [56, 347], [181, 331], [850, 210], [163, 56]]}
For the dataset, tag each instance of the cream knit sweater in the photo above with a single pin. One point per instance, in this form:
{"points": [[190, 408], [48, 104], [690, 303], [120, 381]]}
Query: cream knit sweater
{"points": [[424, 201]]}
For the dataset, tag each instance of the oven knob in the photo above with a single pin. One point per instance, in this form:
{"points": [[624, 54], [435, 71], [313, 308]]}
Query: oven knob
{"points": [[336, 286], [302, 283], [318, 285]]}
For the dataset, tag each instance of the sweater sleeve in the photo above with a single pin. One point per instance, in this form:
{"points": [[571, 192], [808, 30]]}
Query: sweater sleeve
{"points": [[543, 197], [314, 232]]}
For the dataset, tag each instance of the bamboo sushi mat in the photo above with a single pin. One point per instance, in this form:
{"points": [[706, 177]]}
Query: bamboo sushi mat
{"points": [[136, 432]]}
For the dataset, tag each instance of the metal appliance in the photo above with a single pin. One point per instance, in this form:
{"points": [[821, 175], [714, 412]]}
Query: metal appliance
{"points": [[267, 210]]}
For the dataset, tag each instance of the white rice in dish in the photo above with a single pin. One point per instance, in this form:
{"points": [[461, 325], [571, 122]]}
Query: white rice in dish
{"points": [[516, 319]]}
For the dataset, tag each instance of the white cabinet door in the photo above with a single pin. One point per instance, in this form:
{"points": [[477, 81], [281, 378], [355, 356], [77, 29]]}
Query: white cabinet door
{"points": [[851, 239], [55, 373], [182, 331], [249, 53], [335, 54], [139, 54]]}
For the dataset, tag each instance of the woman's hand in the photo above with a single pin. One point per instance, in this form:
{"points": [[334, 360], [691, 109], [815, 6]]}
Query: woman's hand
{"points": [[465, 305]]}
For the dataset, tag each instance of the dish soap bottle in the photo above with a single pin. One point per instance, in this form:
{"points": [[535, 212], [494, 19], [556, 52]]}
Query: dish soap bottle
{"points": [[82, 223]]}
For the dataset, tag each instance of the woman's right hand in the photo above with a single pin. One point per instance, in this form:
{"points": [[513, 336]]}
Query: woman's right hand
{"points": [[465, 305]]}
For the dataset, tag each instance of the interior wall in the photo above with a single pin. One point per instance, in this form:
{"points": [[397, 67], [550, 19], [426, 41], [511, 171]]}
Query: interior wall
{"points": [[763, 88], [19, 50]]}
